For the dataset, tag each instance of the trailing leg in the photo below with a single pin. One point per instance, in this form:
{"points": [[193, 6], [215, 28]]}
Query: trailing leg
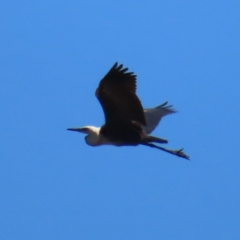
{"points": [[178, 153]]}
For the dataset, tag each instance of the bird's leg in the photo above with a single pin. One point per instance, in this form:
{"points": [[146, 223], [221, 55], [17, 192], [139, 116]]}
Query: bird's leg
{"points": [[178, 153]]}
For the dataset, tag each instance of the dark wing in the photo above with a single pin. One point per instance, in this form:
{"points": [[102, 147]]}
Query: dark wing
{"points": [[117, 95]]}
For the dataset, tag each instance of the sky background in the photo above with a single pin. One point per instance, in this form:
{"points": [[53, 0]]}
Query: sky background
{"points": [[52, 57]]}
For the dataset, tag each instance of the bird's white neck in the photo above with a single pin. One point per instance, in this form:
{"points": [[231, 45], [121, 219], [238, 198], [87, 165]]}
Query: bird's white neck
{"points": [[93, 137]]}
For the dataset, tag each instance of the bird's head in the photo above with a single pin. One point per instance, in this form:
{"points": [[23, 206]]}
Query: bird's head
{"points": [[80, 129], [92, 137]]}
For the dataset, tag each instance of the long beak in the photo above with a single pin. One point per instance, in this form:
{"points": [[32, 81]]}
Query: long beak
{"points": [[82, 130]]}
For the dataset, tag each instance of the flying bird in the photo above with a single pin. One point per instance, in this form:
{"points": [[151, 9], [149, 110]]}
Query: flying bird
{"points": [[126, 122]]}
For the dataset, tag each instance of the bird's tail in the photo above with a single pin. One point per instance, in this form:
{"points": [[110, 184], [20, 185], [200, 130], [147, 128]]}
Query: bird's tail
{"points": [[148, 139]]}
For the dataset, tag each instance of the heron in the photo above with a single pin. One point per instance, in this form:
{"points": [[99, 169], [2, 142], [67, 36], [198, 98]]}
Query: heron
{"points": [[126, 122]]}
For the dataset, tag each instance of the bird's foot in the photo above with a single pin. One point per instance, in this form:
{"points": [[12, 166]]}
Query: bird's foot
{"points": [[180, 153]]}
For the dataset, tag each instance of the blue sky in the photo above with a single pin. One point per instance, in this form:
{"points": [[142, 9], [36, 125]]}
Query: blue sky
{"points": [[53, 55]]}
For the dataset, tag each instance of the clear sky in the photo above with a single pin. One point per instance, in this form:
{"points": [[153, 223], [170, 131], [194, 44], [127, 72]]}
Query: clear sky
{"points": [[52, 57]]}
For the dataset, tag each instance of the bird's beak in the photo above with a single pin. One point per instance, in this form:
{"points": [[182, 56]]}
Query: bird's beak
{"points": [[82, 130]]}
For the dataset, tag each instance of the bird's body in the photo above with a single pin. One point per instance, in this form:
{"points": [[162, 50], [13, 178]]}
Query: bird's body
{"points": [[126, 122], [98, 136]]}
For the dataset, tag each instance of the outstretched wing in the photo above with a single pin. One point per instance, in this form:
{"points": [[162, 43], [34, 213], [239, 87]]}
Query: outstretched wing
{"points": [[154, 115], [117, 95]]}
